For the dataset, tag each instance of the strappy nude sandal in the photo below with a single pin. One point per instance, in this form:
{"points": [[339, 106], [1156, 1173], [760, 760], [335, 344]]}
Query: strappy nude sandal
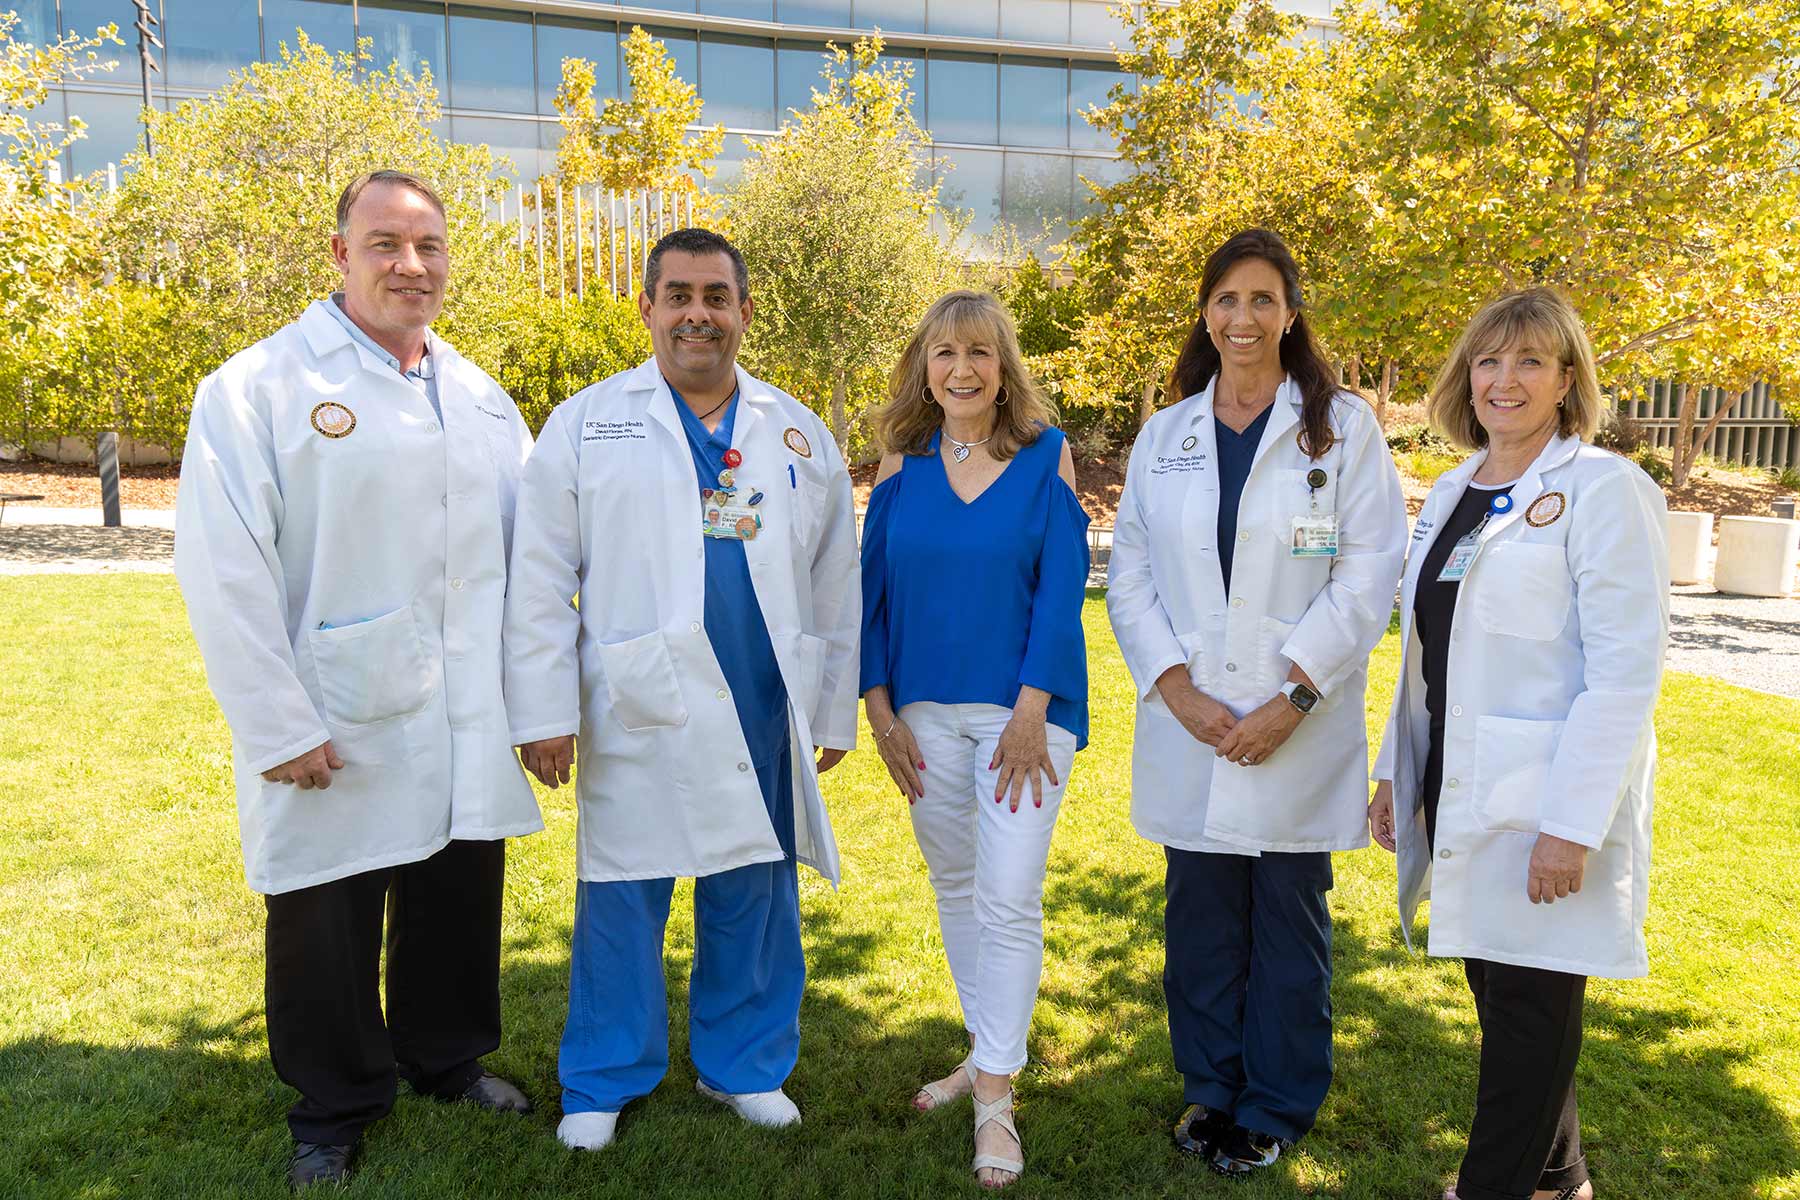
{"points": [[936, 1096], [998, 1112]]}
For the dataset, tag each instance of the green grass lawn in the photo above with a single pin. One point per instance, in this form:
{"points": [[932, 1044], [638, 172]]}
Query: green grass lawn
{"points": [[133, 1062]]}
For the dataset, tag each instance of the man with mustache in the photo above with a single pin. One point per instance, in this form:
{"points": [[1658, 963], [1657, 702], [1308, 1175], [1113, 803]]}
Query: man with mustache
{"points": [[703, 521], [341, 541]]}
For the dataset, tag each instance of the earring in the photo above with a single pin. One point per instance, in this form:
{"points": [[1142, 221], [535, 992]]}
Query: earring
{"points": [[1559, 404], [1002, 399], [929, 400]]}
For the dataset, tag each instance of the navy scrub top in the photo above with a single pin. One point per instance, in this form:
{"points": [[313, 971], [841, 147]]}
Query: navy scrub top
{"points": [[965, 602], [1237, 451]]}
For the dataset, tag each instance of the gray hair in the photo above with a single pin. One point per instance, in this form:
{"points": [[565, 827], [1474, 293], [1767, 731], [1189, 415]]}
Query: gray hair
{"points": [[348, 198]]}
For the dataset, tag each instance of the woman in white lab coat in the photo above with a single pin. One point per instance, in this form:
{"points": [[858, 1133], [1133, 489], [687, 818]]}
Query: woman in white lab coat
{"points": [[1515, 774], [1259, 538]]}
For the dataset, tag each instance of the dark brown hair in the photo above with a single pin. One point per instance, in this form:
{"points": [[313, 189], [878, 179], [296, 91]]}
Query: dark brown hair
{"points": [[1199, 359], [347, 199]]}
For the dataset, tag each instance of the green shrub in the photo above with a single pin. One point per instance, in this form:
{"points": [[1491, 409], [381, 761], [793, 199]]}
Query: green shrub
{"points": [[1787, 478], [1426, 464], [1421, 437], [1653, 465], [543, 350]]}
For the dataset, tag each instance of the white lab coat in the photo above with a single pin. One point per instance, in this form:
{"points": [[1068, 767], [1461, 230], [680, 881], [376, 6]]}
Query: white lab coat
{"points": [[610, 508], [352, 588], [1556, 657], [1168, 606]]}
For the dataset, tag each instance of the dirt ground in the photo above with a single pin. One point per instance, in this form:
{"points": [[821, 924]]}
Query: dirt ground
{"points": [[1098, 482]]}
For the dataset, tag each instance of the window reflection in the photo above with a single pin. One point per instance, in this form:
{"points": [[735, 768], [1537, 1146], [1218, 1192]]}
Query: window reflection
{"points": [[738, 81], [1088, 87], [330, 23], [969, 18], [1036, 195], [749, 10], [558, 40], [799, 68], [1093, 24], [960, 103], [37, 21], [490, 65], [832, 13], [113, 129], [1035, 21], [409, 34], [905, 16], [205, 40], [1034, 102], [517, 140], [970, 180]]}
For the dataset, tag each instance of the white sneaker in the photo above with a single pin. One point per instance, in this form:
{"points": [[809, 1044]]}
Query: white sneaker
{"points": [[588, 1130], [769, 1109]]}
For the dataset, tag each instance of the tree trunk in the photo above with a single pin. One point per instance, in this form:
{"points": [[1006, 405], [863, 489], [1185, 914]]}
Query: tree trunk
{"points": [[1696, 441], [1147, 405], [1681, 452], [1390, 376], [840, 422], [1355, 365]]}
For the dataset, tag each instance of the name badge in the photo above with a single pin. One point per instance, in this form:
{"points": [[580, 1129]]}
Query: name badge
{"points": [[1315, 536], [1461, 555], [724, 514]]}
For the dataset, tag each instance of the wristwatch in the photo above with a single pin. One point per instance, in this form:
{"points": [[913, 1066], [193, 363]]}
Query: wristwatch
{"points": [[1300, 696]]}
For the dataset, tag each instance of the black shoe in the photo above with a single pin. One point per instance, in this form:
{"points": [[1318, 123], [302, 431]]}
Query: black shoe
{"points": [[315, 1163], [495, 1094], [1199, 1130], [1243, 1152]]}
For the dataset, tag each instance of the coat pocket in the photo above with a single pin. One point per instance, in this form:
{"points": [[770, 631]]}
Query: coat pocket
{"points": [[1512, 767], [1524, 590], [373, 670], [809, 656], [641, 683]]}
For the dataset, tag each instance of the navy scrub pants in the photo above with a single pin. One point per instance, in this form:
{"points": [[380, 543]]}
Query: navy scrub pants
{"points": [[1247, 979]]}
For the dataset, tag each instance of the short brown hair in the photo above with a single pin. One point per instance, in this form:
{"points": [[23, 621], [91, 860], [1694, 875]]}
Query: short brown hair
{"points": [[1539, 313], [348, 198], [908, 419]]}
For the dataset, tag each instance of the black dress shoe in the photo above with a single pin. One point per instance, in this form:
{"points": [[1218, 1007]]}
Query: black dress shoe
{"points": [[495, 1094], [1199, 1130], [315, 1163], [1243, 1152]]}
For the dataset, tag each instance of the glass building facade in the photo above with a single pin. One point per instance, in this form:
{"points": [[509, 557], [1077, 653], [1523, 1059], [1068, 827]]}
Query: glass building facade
{"points": [[1000, 84]]}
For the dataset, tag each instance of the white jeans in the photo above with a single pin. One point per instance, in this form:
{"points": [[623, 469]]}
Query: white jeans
{"points": [[987, 868]]}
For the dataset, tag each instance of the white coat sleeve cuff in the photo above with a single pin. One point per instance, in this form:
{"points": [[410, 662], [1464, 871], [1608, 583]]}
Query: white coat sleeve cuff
{"points": [[537, 733], [1569, 833], [1175, 658], [834, 741], [288, 753]]}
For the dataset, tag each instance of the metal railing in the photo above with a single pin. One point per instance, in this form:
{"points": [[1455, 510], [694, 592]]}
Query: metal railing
{"points": [[1755, 433]]}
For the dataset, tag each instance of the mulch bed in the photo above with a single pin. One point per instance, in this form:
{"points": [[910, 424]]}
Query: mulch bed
{"points": [[76, 485]]}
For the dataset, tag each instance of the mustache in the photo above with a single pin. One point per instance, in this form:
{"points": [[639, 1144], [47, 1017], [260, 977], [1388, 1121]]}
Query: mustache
{"points": [[696, 331]]}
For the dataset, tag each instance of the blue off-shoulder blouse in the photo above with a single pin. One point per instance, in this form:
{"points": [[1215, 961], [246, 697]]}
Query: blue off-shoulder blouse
{"points": [[965, 602]]}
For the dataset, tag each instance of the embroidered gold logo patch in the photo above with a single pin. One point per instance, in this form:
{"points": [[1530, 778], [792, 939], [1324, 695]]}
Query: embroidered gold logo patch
{"points": [[333, 419], [796, 441], [1546, 509]]}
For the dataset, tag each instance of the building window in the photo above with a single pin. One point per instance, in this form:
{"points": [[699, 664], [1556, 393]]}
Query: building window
{"points": [[1088, 86], [1036, 197], [1035, 21], [833, 14], [799, 68], [406, 33], [970, 180], [517, 140], [897, 16], [666, 5], [206, 40], [113, 129], [749, 10], [330, 23], [960, 101], [1034, 102], [965, 18], [1093, 24], [915, 83], [738, 81], [682, 49], [558, 40], [37, 21], [491, 61]]}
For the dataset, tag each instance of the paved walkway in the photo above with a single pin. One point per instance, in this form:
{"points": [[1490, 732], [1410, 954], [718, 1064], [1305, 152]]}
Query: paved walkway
{"points": [[1751, 642]]}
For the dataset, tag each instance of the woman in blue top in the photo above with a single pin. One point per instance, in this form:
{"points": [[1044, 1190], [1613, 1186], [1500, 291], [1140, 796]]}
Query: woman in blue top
{"points": [[974, 669]]}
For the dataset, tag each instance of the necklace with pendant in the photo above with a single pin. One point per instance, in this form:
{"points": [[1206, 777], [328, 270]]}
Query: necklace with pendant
{"points": [[960, 450]]}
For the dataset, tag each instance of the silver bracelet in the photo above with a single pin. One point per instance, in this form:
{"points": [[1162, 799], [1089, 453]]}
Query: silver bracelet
{"points": [[890, 731]]}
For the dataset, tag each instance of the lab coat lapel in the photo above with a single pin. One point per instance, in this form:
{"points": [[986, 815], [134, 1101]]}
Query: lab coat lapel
{"points": [[1284, 415], [1531, 484], [1200, 504]]}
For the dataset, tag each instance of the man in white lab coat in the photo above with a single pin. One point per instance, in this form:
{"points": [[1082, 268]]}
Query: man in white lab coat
{"points": [[704, 520], [341, 540]]}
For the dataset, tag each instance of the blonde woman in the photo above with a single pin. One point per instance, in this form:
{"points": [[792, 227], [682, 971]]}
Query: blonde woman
{"points": [[1515, 774], [974, 669]]}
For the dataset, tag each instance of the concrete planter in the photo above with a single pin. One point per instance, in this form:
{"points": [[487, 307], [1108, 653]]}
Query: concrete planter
{"points": [[1690, 545], [1757, 556]]}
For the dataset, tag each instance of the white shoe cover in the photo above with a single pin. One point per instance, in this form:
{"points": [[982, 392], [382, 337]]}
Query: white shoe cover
{"points": [[769, 1109], [588, 1130]]}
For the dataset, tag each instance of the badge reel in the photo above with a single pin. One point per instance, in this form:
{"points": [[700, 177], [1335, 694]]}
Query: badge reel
{"points": [[723, 513], [1315, 534], [1463, 553]]}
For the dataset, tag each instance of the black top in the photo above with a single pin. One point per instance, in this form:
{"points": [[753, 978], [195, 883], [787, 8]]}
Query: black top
{"points": [[1237, 451], [1434, 604]]}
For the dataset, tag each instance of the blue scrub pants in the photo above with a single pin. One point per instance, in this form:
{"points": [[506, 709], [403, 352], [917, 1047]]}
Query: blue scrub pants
{"points": [[1247, 979], [743, 994]]}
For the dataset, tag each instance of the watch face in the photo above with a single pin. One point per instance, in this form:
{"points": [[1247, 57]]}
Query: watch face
{"points": [[1303, 697]]}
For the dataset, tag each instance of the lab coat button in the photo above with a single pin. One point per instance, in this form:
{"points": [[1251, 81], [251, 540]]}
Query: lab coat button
{"points": [[1451, 783], [743, 766], [456, 585], [694, 628], [721, 693], [1244, 535], [1456, 710], [431, 428], [1238, 602], [1231, 666], [1443, 854]]}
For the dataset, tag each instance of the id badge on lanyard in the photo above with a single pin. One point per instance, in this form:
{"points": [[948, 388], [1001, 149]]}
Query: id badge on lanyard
{"points": [[1463, 553], [724, 513], [1314, 534]]}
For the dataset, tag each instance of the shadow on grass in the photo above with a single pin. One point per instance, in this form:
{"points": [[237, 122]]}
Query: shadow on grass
{"points": [[200, 1113]]}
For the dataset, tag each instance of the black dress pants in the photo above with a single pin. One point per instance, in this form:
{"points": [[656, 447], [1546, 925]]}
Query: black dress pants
{"points": [[1527, 1134], [327, 1036]]}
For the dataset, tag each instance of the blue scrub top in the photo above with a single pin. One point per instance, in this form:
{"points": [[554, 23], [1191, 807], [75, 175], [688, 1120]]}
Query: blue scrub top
{"points": [[734, 617], [963, 603], [1237, 451]]}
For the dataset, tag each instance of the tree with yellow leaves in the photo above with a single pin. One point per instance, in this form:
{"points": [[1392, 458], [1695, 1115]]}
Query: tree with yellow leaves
{"points": [[642, 141]]}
